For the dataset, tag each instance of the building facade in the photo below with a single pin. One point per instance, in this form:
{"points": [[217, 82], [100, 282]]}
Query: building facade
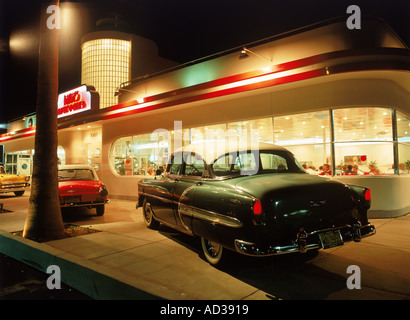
{"points": [[333, 96]]}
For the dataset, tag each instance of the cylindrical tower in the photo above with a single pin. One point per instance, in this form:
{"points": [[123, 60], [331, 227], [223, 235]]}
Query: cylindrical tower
{"points": [[111, 56], [106, 60]]}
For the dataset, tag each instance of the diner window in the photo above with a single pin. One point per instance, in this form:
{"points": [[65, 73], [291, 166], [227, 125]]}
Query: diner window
{"points": [[208, 133], [259, 129], [363, 141], [307, 136], [363, 124], [403, 138], [368, 158], [139, 155]]}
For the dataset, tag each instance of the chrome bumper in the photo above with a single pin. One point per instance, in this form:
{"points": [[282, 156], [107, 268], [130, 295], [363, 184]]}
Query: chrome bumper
{"points": [[10, 188], [84, 204], [305, 241]]}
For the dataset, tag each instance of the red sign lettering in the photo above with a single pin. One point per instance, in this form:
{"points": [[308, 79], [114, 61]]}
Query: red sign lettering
{"points": [[74, 101]]}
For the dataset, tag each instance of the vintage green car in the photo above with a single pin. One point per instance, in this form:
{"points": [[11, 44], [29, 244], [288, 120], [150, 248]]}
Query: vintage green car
{"points": [[256, 202]]}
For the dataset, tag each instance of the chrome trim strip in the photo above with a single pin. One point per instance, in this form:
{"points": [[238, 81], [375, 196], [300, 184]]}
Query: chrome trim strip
{"points": [[209, 216], [158, 197]]}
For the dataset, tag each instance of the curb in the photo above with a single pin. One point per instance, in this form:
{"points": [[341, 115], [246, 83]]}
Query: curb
{"points": [[86, 276]]}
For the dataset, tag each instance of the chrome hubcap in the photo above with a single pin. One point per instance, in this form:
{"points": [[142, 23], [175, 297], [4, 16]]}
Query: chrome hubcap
{"points": [[148, 213], [213, 248]]}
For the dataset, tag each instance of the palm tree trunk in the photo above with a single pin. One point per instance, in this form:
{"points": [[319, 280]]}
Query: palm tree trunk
{"points": [[44, 221]]}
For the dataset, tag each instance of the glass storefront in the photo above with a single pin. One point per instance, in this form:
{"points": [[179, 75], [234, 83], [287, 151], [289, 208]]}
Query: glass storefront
{"points": [[139, 155], [21, 162], [346, 141], [307, 135], [403, 142]]}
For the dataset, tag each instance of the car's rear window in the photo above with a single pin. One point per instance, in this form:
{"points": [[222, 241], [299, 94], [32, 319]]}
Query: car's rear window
{"points": [[255, 163], [75, 174]]}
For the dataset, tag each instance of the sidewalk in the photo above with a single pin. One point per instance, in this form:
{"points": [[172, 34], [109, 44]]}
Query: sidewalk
{"points": [[128, 261]]}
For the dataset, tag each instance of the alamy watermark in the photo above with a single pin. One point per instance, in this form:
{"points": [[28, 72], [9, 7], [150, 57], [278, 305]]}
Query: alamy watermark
{"points": [[208, 143], [353, 281], [54, 20], [54, 281], [352, 22], [355, 20]]}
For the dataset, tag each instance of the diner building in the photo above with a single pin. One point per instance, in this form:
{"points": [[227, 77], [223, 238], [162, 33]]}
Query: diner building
{"points": [[335, 97]]}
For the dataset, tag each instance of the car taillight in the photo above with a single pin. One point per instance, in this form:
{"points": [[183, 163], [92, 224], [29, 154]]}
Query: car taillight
{"points": [[367, 195], [257, 207]]}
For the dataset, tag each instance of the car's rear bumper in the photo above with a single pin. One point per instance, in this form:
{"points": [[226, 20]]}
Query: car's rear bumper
{"points": [[306, 241]]}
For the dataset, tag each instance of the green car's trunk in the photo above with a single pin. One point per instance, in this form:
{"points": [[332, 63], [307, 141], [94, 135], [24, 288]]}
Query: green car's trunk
{"points": [[294, 201]]}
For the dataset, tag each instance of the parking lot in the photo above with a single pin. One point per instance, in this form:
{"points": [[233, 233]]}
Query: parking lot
{"points": [[170, 265]]}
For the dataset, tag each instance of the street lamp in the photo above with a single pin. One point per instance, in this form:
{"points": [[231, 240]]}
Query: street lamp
{"points": [[244, 54], [119, 89]]}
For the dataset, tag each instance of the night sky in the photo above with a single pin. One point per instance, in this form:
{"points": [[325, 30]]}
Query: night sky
{"points": [[184, 30]]}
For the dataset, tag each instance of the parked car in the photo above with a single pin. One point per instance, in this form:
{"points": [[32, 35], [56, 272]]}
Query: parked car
{"points": [[79, 186], [16, 183], [255, 202]]}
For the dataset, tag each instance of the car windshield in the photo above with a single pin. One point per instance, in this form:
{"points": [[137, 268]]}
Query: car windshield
{"points": [[75, 174], [270, 161]]}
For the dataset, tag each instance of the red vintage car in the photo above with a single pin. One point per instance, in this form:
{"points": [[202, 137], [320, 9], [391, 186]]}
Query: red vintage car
{"points": [[79, 186]]}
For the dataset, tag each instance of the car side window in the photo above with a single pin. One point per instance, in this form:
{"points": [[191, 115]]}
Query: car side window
{"points": [[194, 164], [226, 165], [271, 161], [176, 165]]}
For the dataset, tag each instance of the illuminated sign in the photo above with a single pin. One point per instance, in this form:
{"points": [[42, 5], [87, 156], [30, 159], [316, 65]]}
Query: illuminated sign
{"points": [[77, 100]]}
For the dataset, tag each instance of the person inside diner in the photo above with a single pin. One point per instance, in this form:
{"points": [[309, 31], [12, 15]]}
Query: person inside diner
{"points": [[326, 170], [373, 170], [349, 171]]}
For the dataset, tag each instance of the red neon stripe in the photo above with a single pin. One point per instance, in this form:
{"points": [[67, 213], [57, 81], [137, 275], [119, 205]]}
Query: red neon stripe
{"points": [[223, 92], [286, 66], [341, 68]]}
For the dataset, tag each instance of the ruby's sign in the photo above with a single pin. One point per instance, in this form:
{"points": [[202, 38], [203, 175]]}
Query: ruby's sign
{"points": [[77, 100]]}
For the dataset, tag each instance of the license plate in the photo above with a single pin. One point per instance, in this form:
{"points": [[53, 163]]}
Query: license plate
{"points": [[72, 199], [331, 239]]}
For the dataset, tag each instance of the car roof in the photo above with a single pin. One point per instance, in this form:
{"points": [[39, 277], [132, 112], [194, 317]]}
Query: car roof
{"points": [[211, 150]]}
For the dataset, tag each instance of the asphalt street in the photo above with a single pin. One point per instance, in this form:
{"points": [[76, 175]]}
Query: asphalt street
{"points": [[18, 281]]}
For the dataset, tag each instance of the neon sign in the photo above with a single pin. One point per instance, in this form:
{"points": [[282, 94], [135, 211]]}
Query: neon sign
{"points": [[75, 101]]}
